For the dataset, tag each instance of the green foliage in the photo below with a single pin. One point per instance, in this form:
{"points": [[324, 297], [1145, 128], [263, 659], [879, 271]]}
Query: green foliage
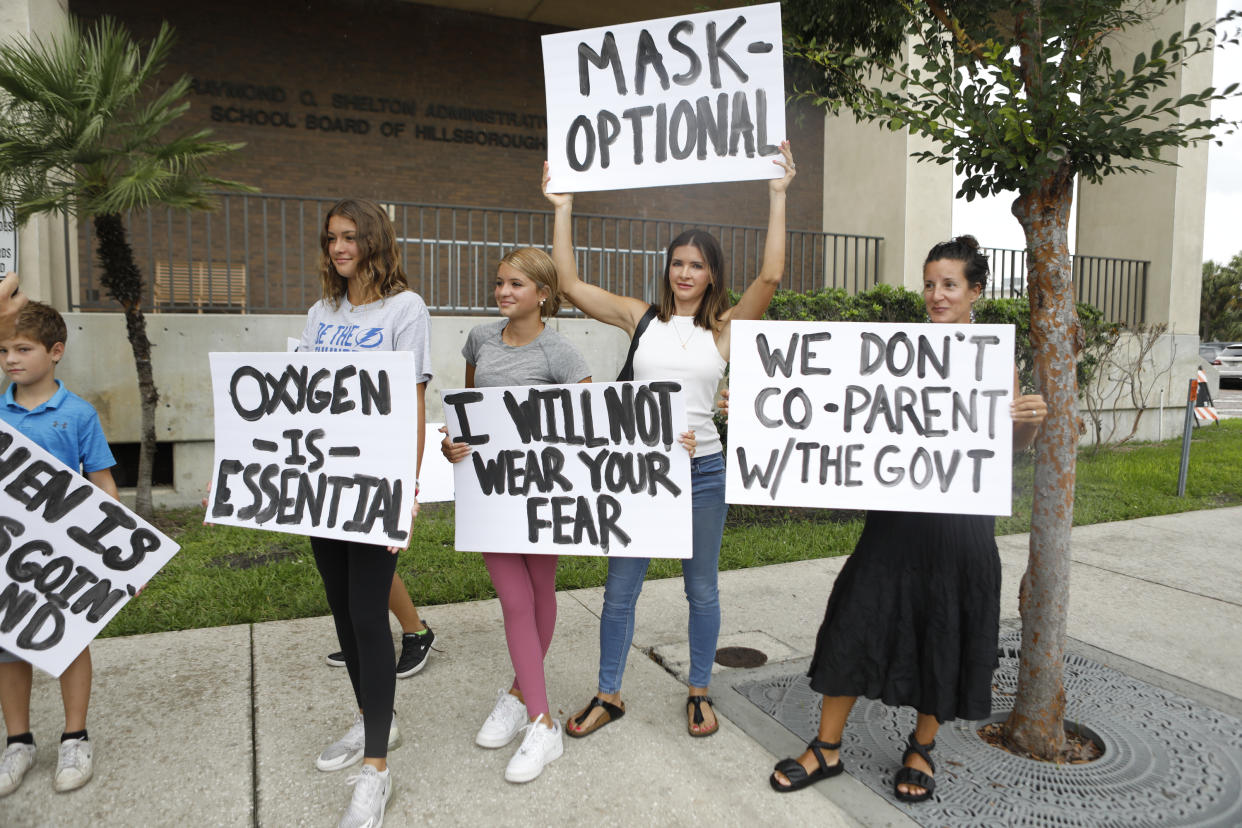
{"points": [[1220, 305], [224, 575], [84, 126], [1019, 98]]}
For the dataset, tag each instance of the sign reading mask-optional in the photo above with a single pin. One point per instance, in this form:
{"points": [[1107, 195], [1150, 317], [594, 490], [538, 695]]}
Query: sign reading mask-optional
{"points": [[70, 555], [320, 444], [679, 100], [855, 415], [585, 469]]}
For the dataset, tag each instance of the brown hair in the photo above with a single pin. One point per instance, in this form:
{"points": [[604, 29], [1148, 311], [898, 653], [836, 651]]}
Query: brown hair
{"points": [[540, 269], [42, 323], [379, 264], [964, 249], [716, 300]]}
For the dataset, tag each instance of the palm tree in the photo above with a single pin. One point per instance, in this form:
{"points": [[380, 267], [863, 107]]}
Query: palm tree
{"points": [[82, 131]]}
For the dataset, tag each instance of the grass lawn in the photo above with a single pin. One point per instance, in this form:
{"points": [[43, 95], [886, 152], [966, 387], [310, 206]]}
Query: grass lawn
{"points": [[225, 575]]}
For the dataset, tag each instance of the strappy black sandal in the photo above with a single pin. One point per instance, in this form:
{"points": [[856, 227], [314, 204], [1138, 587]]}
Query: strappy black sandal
{"points": [[797, 775], [611, 713], [696, 718], [914, 776]]}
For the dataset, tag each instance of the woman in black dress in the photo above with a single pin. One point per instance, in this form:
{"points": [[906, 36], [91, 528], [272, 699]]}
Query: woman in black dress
{"points": [[914, 615]]}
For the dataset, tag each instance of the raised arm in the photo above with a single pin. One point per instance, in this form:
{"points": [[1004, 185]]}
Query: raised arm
{"points": [[594, 301], [759, 293]]}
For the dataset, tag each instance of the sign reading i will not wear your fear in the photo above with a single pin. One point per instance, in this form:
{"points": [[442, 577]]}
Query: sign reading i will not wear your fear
{"points": [[857, 415], [584, 469], [319, 444], [70, 555], [681, 100]]}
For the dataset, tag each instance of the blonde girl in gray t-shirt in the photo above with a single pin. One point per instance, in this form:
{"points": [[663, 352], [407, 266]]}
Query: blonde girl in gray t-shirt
{"points": [[521, 349]]}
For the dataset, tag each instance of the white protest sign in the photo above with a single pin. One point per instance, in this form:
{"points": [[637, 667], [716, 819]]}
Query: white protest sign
{"points": [[320, 444], [72, 556], [584, 469], [680, 100], [435, 473], [8, 241], [856, 415]]}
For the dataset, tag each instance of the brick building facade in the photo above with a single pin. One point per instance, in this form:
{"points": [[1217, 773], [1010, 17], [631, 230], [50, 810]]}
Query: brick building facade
{"points": [[403, 102]]}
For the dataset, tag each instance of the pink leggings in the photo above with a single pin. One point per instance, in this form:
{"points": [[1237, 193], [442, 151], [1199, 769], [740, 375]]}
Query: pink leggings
{"points": [[526, 586]]}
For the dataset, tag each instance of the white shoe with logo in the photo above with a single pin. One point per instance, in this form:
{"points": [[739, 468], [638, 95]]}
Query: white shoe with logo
{"points": [[541, 745]]}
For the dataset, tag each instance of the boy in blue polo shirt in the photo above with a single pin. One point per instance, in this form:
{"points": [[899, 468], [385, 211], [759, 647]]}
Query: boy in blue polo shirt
{"points": [[66, 426]]}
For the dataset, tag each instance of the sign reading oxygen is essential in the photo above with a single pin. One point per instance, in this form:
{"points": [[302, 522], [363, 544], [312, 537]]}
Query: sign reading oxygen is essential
{"points": [[585, 469], [72, 556], [320, 444], [679, 100], [854, 415]]}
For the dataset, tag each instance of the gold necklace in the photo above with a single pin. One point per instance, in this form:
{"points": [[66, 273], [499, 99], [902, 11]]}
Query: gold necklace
{"points": [[677, 330]]}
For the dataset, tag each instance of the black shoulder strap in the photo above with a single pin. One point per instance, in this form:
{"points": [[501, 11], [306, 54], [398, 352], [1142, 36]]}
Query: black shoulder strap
{"points": [[627, 370]]}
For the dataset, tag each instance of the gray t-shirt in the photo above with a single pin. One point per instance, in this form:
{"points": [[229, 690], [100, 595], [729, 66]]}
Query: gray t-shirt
{"points": [[398, 323], [548, 359]]}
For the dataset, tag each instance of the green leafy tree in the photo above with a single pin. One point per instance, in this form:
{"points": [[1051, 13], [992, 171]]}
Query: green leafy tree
{"points": [[84, 130], [1220, 305], [1021, 95]]}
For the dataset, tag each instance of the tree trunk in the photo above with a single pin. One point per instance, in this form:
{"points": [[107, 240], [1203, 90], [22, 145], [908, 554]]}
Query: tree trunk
{"points": [[123, 282], [1036, 723]]}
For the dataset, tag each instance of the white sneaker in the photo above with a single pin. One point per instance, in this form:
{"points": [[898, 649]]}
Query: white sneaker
{"points": [[540, 746], [74, 767], [372, 790], [348, 749], [503, 723], [16, 760]]}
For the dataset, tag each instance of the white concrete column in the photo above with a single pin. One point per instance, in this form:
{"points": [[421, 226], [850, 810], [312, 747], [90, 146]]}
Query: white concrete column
{"points": [[41, 242], [1157, 216], [873, 187]]}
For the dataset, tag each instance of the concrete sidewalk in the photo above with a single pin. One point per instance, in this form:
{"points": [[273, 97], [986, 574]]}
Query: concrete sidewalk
{"points": [[221, 726]]}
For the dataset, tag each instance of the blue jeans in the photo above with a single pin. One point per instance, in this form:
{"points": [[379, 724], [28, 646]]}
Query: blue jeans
{"points": [[625, 582]]}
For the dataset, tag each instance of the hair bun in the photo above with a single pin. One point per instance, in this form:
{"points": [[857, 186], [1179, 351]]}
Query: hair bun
{"points": [[967, 241]]}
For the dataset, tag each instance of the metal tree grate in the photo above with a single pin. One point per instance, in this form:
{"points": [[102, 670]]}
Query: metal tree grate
{"points": [[1167, 760]]}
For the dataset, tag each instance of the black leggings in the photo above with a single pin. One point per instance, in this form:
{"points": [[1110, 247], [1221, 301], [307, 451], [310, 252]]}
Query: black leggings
{"points": [[357, 578]]}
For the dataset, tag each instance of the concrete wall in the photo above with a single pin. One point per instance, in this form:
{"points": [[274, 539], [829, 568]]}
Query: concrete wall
{"points": [[98, 365], [1158, 216], [873, 187], [1167, 372]]}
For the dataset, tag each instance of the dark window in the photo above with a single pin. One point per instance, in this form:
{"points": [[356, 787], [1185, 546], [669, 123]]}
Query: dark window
{"points": [[125, 472]]}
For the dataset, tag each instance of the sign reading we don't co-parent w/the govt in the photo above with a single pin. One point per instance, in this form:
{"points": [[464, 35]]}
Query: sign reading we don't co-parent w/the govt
{"points": [[585, 469], [320, 444], [70, 555], [680, 100], [898, 417]]}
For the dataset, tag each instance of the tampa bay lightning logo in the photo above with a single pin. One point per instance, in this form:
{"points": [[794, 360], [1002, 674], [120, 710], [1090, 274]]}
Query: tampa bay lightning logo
{"points": [[371, 338]]}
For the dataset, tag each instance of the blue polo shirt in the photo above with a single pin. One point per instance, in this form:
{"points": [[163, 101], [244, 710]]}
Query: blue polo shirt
{"points": [[66, 426]]}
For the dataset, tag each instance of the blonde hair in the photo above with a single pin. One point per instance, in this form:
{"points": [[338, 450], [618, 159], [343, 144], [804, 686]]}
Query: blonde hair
{"points": [[379, 263], [537, 266]]}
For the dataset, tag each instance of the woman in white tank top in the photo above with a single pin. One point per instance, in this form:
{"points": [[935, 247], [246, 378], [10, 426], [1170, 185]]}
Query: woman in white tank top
{"points": [[687, 340]]}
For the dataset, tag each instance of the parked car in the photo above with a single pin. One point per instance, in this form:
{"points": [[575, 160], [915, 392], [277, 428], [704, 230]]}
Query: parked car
{"points": [[1209, 350], [1229, 363]]}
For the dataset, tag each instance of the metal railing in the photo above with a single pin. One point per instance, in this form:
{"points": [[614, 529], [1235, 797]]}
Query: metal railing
{"points": [[1118, 287], [260, 254]]}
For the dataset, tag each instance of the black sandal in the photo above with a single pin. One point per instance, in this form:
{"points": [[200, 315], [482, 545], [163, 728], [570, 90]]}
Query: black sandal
{"points": [[611, 713], [914, 776], [797, 775], [697, 717]]}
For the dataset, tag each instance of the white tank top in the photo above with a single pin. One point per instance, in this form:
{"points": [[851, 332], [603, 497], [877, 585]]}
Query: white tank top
{"points": [[680, 350]]}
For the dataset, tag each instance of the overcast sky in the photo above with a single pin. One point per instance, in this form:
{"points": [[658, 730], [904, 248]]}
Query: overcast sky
{"points": [[990, 219]]}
